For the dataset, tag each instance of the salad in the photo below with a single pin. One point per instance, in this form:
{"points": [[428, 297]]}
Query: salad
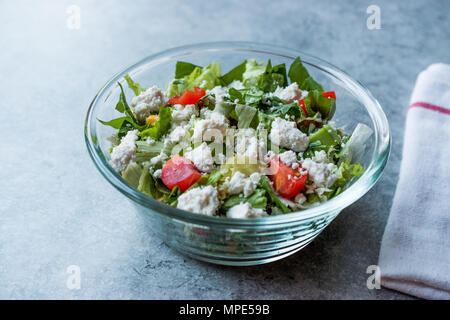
{"points": [[256, 141]]}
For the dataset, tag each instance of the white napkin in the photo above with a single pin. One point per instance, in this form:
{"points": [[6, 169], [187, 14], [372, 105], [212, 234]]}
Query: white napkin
{"points": [[415, 251]]}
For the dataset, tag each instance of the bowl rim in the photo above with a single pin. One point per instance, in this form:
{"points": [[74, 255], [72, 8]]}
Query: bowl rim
{"points": [[360, 187]]}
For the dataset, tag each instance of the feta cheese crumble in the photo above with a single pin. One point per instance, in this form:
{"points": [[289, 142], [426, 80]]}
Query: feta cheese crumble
{"points": [[201, 157], [291, 93], [245, 210], [215, 125], [285, 134], [321, 172], [182, 113], [290, 159], [203, 200], [125, 152], [148, 102], [239, 183]]}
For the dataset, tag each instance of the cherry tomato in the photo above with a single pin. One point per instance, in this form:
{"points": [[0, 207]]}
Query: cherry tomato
{"points": [[287, 182], [179, 172], [188, 97]]}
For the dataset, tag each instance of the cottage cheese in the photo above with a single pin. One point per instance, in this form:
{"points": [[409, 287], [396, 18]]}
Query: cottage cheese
{"points": [[285, 134], [290, 159], [291, 93], [240, 184], [203, 201], [321, 173], [249, 145], [245, 210], [215, 125], [201, 157], [182, 113], [177, 134], [219, 92], [148, 102], [125, 152], [161, 158]]}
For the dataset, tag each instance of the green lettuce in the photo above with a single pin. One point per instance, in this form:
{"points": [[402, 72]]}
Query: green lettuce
{"points": [[258, 200], [136, 87], [298, 73], [235, 74], [265, 184], [188, 76], [161, 127]]}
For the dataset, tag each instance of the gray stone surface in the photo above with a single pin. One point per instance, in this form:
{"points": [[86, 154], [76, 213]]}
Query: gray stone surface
{"points": [[56, 210]]}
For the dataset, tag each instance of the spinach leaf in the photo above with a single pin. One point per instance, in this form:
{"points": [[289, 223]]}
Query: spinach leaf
{"points": [[273, 77], [183, 69], [258, 200], [115, 123], [298, 73], [234, 74]]}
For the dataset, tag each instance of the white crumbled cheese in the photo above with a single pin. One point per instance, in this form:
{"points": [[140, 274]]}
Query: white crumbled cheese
{"points": [[177, 134], [291, 93], [203, 201], [125, 152], [245, 210], [201, 157], [236, 84], [320, 156], [247, 144], [148, 102], [215, 125], [219, 92], [240, 184], [285, 134], [300, 199], [321, 173], [157, 173], [289, 158], [150, 141], [182, 113], [161, 158]]}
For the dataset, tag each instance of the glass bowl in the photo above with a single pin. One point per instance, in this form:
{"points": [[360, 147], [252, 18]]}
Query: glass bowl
{"points": [[241, 241]]}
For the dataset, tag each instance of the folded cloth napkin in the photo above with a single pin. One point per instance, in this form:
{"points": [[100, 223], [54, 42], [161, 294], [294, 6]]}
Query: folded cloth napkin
{"points": [[415, 251]]}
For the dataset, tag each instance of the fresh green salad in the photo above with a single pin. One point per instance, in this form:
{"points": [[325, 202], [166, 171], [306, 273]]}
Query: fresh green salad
{"points": [[255, 141]]}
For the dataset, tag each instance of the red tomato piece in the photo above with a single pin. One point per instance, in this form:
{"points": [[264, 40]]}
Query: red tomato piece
{"points": [[188, 97], [330, 94], [302, 105], [287, 182], [179, 172]]}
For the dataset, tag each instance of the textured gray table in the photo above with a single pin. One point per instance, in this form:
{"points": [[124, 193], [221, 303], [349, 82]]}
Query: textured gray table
{"points": [[56, 210]]}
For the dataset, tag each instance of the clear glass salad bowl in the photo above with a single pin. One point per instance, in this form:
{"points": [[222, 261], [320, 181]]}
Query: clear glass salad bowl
{"points": [[239, 241]]}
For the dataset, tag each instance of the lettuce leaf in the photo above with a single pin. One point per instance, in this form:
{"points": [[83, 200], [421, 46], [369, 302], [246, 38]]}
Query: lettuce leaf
{"points": [[298, 73], [183, 69], [356, 145], [346, 172], [253, 71], [188, 76], [132, 174], [265, 184], [234, 74], [318, 103], [124, 124], [136, 87], [258, 200], [161, 127], [273, 77]]}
